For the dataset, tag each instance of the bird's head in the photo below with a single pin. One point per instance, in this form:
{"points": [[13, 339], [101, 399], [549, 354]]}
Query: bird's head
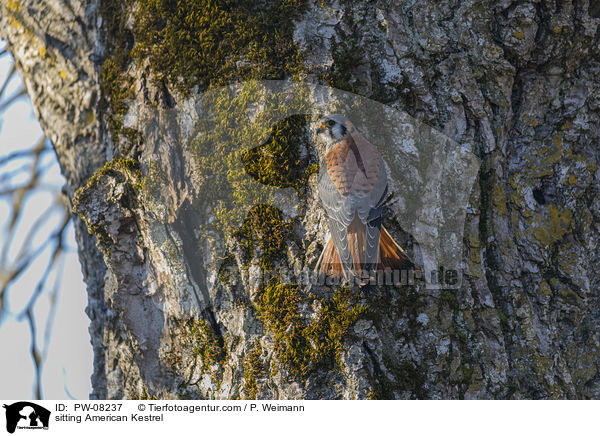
{"points": [[334, 128]]}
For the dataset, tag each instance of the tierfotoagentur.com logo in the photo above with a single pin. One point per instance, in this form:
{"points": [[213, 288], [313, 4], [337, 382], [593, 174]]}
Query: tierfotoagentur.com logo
{"points": [[24, 415]]}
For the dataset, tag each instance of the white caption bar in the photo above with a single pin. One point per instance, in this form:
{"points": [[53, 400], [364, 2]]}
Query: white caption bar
{"points": [[298, 417]]}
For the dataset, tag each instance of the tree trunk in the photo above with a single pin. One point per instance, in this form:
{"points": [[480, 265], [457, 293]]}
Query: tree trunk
{"points": [[182, 224]]}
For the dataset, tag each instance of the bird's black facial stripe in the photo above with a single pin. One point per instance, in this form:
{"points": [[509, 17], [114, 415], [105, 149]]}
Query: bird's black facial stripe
{"points": [[343, 129]]}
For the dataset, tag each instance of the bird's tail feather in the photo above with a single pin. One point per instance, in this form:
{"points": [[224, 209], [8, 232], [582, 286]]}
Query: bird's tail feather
{"points": [[391, 255], [357, 240], [329, 263]]}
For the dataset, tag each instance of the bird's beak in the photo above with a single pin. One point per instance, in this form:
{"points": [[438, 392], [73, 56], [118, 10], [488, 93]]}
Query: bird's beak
{"points": [[320, 129]]}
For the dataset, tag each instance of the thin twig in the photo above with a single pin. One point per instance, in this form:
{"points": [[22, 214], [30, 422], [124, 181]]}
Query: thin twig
{"points": [[12, 99], [9, 76], [22, 154]]}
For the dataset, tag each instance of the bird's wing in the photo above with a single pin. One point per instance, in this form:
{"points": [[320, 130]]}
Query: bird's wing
{"points": [[340, 213], [372, 232], [370, 190], [339, 236], [338, 207], [370, 184]]}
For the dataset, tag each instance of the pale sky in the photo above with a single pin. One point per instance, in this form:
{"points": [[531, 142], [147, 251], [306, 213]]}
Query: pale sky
{"points": [[68, 367]]}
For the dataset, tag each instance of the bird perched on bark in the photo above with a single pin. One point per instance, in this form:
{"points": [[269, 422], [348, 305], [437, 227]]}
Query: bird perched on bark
{"points": [[353, 188]]}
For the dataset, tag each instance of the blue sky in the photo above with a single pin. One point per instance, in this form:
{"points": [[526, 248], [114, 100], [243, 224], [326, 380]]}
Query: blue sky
{"points": [[68, 367]]}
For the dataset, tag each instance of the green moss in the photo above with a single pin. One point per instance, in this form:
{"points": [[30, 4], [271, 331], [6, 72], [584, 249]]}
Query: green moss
{"points": [[467, 372], [265, 230], [190, 43], [116, 85], [303, 346], [279, 161], [312, 169], [503, 318], [448, 297], [241, 154], [118, 168], [300, 346], [373, 395], [278, 306], [199, 44], [193, 44], [125, 172], [226, 268], [144, 395], [253, 369], [194, 345], [544, 289], [334, 319], [347, 56], [204, 343]]}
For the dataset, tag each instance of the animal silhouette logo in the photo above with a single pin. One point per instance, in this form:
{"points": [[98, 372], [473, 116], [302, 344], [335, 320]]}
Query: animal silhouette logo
{"points": [[26, 415]]}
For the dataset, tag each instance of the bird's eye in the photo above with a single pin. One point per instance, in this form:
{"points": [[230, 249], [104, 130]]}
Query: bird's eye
{"points": [[330, 123]]}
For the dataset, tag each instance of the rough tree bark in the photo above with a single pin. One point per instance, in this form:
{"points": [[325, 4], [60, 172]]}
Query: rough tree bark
{"points": [[517, 80]]}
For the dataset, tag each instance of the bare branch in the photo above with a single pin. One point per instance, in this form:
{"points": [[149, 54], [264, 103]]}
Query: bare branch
{"points": [[9, 76], [20, 93], [22, 154], [35, 355]]}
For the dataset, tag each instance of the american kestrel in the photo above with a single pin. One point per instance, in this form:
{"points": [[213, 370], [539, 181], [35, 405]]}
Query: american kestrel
{"points": [[352, 188]]}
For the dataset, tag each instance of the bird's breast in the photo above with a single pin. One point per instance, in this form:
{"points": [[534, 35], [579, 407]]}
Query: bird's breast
{"points": [[352, 171]]}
